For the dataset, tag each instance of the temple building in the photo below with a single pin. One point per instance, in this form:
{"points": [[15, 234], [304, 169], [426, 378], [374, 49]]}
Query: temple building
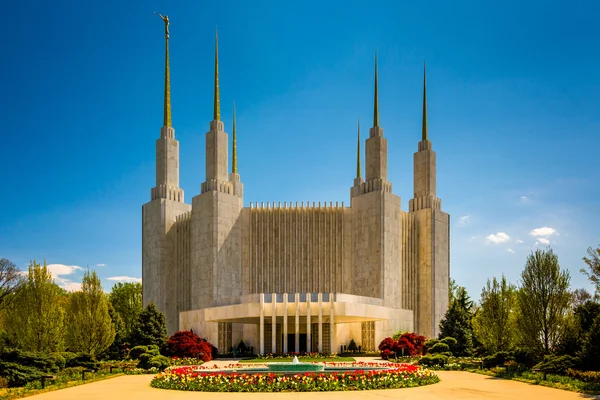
{"points": [[294, 277]]}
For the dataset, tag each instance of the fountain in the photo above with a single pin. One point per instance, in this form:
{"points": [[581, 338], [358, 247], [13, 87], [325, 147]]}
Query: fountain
{"points": [[296, 366]]}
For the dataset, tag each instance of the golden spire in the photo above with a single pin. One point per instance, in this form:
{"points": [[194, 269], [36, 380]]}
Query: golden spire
{"points": [[376, 102], [217, 103], [167, 99], [234, 152], [424, 126], [358, 169]]}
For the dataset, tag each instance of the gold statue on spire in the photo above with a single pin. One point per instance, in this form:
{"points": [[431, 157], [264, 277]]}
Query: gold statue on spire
{"points": [[165, 18], [167, 101], [217, 101]]}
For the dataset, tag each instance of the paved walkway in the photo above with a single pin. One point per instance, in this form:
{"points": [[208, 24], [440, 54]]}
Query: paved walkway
{"points": [[453, 385]]}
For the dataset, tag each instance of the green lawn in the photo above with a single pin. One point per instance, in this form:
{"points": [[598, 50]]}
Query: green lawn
{"points": [[301, 359]]}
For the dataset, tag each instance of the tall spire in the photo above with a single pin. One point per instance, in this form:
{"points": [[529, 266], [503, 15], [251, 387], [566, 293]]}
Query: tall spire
{"points": [[234, 152], [424, 126], [167, 100], [217, 101], [376, 102], [358, 169]]}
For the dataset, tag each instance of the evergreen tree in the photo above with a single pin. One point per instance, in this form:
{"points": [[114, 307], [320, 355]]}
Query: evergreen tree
{"points": [[35, 320], [457, 324], [150, 328], [89, 327], [126, 298], [543, 301], [119, 347], [493, 325], [590, 354]]}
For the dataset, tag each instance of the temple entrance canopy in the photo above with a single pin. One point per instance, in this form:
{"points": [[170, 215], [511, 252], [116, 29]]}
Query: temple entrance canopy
{"points": [[298, 322]]}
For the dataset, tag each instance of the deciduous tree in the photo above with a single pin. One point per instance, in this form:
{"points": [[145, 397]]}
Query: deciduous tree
{"points": [[11, 279], [543, 301], [593, 264], [35, 320], [126, 298], [89, 326], [493, 324]]}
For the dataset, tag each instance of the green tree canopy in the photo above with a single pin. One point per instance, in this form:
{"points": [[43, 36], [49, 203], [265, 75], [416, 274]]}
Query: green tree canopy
{"points": [[35, 320], [593, 264], [457, 322], [543, 301], [493, 324], [150, 328], [126, 298], [89, 327], [10, 281]]}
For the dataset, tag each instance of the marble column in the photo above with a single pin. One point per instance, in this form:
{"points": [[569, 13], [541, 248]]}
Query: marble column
{"points": [[262, 323], [320, 337], [285, 323], [332, 348], [274, 324], [297, 322], [308, 333]]}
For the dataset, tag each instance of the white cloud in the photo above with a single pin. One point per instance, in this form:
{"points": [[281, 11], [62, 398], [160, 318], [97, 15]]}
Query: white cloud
{"points": [[499, 237], [523, 198], [545, 231], [511, 251], [543, 241], [519, 241], [464, 221], [100, 265], [124, 279], [58, 270]]}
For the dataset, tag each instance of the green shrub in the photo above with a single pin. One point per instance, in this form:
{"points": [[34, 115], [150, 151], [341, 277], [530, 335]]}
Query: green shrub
{"points": [[84, 360], [17, 374], [67, 355], [137, 351], [153, 347], [450, 341], [429, 344], [3, 383], [439, 348], [352, 345], [497, 359], [432, 360], [556, 364], [585, 376], [160, 362], [446, 353]]}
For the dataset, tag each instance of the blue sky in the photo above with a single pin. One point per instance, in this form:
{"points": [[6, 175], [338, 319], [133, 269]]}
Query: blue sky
{"points": [[513, 94]]}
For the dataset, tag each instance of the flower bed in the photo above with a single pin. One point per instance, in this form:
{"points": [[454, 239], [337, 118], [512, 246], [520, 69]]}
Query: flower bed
{"points": [[192, 379]]}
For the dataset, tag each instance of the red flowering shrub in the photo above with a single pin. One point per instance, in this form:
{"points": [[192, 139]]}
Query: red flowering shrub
{"points": [[409, 344], [385, 354], [387, 344], [188, 344]]}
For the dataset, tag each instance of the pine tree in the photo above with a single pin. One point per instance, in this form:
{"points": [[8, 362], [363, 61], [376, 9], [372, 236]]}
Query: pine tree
{"points": [[89, 329], [590, 353], [150, 328], [457, 324], [119, 347], [35, 320]]}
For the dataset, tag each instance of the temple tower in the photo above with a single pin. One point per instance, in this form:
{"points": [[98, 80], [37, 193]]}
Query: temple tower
{"points": [[159, 264], [432, 235], [216, 232], [376, 225]]}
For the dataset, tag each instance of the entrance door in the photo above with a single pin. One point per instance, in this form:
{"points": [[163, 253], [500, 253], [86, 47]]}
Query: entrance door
{"points": [[292, 342]]}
